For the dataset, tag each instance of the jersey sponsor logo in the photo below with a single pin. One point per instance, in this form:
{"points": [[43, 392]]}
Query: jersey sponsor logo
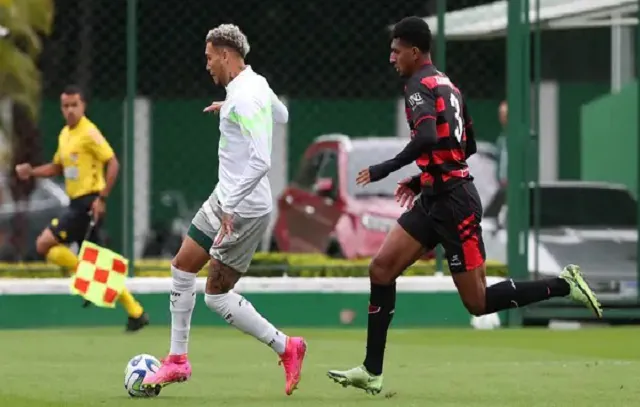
{"points": [[71, 173], [415, 100]]}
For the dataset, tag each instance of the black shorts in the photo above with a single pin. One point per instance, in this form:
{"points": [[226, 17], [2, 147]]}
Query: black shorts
{"points": [[453, 220], [73, 224]]}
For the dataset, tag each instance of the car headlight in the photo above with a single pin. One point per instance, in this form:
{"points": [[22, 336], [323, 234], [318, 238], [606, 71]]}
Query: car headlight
{"points": [[377, 223]]}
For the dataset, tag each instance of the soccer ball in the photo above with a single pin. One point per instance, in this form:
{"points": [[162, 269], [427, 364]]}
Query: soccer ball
{"points": [[137, 368]]}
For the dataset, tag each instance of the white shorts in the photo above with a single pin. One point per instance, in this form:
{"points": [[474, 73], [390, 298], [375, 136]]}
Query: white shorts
{"points": [[235, 251]]}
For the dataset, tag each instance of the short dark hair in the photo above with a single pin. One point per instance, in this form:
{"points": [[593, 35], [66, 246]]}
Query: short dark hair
{"points": [[74, 90], [413, 31]]}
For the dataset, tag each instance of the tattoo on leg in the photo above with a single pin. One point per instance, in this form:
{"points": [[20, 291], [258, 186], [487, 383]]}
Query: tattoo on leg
{"points": [[221, 279]]}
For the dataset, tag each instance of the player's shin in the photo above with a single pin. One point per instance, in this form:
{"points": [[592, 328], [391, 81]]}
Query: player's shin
{"points": [[62, 256], [239, 312], [511, 294], [182, 301], [129, 303], [382, 302]]}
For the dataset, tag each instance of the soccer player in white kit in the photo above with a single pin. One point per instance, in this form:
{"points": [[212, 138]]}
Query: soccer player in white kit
{"points": [[229, 226]]}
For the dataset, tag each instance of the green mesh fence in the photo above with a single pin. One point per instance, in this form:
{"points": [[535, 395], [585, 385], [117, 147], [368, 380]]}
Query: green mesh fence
{"points": [[327, 58]]}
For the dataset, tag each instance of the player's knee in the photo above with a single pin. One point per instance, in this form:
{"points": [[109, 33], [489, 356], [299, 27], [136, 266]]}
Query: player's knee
{"points": [[475, 307], [381, 271], [180, 263], [190, 257], [45, 242]]}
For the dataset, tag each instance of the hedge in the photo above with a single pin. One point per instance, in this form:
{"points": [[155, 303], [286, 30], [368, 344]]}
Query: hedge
{"points": [[263, 265]]}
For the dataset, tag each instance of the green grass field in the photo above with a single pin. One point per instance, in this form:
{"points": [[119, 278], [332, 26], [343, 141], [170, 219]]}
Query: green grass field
{"points": [[506, 368]]}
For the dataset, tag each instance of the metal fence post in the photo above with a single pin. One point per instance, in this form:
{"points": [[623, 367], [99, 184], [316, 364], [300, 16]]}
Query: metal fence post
{"points": [[128, 184], [515, 148], [638, 129]]}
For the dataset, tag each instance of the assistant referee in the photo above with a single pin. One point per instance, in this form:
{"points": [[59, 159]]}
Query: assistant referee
{"points": [[81, 157]]}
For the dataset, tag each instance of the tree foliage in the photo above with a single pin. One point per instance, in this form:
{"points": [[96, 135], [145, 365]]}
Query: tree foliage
{"points": [[22, 23]]}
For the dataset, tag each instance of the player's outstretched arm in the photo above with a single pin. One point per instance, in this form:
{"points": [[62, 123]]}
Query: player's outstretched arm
{"points": [[423, 115], [26, 171], [424, 139]]}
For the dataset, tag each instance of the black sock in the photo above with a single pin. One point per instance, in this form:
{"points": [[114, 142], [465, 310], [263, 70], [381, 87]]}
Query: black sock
{"points": [[511, 294], [382, 303]]}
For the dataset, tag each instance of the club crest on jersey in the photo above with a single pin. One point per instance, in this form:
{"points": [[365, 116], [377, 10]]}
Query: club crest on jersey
{"points": [[73, 157], [415, 100]]}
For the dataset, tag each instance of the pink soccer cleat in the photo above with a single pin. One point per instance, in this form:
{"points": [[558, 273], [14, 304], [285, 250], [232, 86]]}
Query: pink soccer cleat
{"points": [[292, 359], [174, 369]]}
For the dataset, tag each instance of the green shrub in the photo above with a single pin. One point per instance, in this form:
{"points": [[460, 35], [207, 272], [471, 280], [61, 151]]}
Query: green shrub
{"points": [[263, 265]]}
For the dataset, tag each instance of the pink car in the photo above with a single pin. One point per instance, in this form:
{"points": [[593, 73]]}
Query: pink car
{"points": [[323, 211]]}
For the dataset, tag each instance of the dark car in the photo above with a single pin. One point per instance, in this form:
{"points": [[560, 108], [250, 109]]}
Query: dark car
{"points": [[592, 224], [47, 201]]}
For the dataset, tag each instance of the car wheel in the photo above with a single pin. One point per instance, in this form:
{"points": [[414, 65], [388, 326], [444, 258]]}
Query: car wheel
{"points": [[335, 251], [273, 245]]}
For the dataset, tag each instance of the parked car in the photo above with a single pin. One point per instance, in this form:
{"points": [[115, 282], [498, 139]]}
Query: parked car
{"points": [[591, 224], [323, 211], [164, 238], [47, 201]]}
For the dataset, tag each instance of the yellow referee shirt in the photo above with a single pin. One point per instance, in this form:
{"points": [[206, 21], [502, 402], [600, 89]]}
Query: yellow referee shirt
{"points": [[82, 153]]}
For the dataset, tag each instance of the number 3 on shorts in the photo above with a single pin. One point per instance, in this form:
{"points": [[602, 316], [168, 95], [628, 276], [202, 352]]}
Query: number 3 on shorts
{"points": [[455, 104]]}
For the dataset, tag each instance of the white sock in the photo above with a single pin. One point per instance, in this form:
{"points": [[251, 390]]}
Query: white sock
{"points": [[182, 301], [239, 312]]}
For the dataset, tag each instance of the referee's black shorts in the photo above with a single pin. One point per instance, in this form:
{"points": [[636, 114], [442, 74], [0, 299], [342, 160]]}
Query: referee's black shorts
{"points": [[73, 224], [453, 220]]}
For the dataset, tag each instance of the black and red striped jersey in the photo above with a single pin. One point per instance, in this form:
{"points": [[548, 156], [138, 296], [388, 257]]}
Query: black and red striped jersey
{"points": [[442, 136], [430, 95]]}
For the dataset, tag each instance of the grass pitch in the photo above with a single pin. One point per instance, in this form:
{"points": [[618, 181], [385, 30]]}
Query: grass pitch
{"points": [[446, 368]]}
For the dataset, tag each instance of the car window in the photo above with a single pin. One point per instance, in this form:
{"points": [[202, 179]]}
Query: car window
{"points": [[365, 155], [5, 193], [483, 166], [329, 168], [585, 207], [307, 174], [576, 206], [41, 194]]}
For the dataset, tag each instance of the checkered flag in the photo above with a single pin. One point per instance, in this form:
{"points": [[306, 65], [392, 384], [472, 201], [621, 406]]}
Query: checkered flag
{"points": [[100, 276]]}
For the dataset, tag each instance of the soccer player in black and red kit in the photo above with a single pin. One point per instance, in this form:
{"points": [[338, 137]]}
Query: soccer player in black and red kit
{"points": [[447, 211]]}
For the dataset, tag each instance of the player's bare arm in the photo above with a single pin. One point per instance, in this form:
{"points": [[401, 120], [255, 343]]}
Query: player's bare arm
{"points": [[99, 206], [103, 152], [26, 171]]}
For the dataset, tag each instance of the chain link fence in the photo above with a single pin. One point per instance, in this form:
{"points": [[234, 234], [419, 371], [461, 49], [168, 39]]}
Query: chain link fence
{"points": [[328, 59]]}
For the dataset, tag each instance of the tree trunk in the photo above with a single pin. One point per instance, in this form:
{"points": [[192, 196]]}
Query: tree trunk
{"points": [[27, 147]]}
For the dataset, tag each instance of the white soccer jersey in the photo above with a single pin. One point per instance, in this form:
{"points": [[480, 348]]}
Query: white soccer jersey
{"points": [[244, 150]]}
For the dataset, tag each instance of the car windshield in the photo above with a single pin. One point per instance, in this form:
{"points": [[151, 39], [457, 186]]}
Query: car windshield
{"points": [[364, 154], [586, 207]]}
